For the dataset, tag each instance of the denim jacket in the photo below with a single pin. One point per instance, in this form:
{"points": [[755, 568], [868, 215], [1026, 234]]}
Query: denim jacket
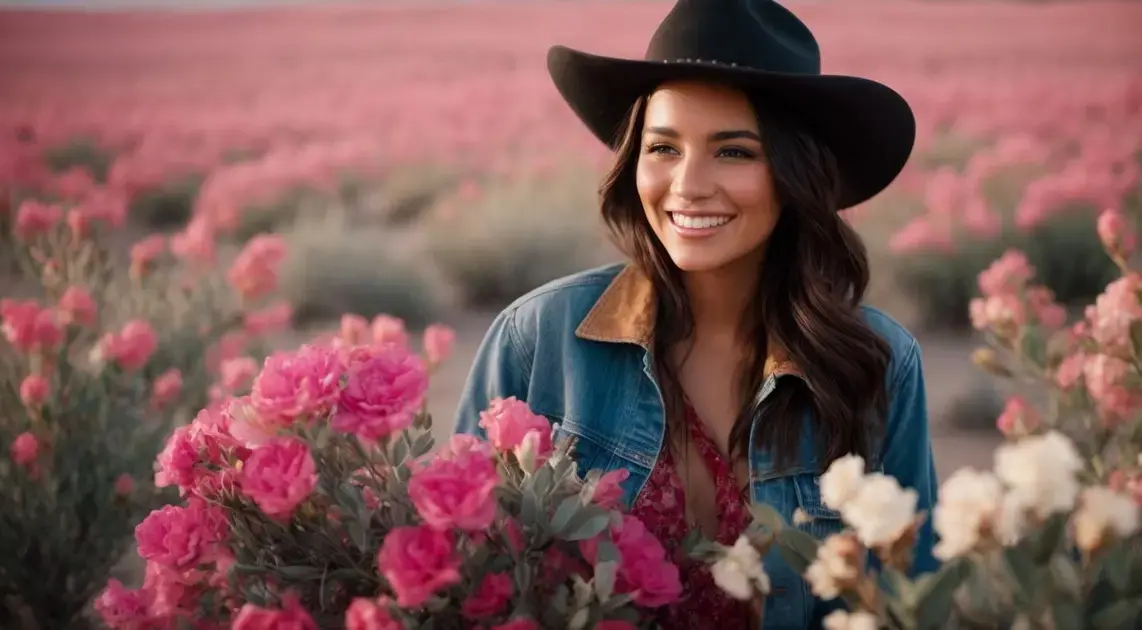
{"points": [[577, 351]]}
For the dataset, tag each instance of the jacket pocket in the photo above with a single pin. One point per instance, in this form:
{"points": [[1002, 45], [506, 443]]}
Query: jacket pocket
{"points": [[824, 521]]}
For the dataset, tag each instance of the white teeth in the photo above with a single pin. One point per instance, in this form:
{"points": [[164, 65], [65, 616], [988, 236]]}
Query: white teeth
{"points": [[692, 222]]}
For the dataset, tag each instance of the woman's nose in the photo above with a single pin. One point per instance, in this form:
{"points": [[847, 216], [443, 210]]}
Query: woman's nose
{"points": [[692, 179]]}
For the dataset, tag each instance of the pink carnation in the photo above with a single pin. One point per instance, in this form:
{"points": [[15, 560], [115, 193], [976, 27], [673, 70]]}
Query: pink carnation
{"points": [[417, 562], [508, 421], [370, 614], [238, 373], [1070, 370], [438, 342], [268, 320], [121, 608], [1116, 233], [34, 390], [388, 329], [297, 385], [255, 270], [383, 392], [28, 327], [1106, 380], [181, 538], [166, 388], [489, 599], [124, 485], [290, 617], [1114, 312], [34, 218], [456, 492], [279, 476], [131, 348], [608, 490], [76, 307], [645, 569], [189, 455], [25, 449], [464, 445], [1018, 418], [354, 330], [1008, 274]]}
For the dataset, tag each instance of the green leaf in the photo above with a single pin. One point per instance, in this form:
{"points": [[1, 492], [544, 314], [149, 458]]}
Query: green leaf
{"points": [[422, 444], [605, 579], [567, 510], [797, 548], [1022, 570], [1067, 613], [767, 516], [935, 594], [1046, 541], [1117, 615], [1117, 567], [399, 450], [1065, 576], [358, 533], [589, 527]]}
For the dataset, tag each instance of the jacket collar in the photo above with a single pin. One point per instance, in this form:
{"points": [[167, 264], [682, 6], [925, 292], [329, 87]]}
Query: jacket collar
{"points": [[626, 311]]}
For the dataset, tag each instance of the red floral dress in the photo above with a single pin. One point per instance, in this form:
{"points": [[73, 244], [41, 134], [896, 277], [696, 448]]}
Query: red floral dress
{"points": [[661, 506]]}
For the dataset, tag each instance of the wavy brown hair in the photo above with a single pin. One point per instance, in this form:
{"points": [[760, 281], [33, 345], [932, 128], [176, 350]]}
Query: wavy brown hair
{"points": [[813, 278]]}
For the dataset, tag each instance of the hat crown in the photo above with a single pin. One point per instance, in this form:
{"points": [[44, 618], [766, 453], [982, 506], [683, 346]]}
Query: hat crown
{"points": [[759, 34]]}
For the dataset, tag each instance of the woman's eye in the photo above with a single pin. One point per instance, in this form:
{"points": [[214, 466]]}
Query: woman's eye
{"points": [[734, 152], [659, 148]]}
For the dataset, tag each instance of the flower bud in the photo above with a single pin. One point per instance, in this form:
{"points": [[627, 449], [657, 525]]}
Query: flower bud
{"points": [[987, 360], [1115, 233]]}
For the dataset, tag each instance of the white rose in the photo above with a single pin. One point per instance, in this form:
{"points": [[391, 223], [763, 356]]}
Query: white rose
{"points": [[1104, 511], [970, 501], [881, 511], [843, 620], [1041, 472], [739, 572], [842, 480]]}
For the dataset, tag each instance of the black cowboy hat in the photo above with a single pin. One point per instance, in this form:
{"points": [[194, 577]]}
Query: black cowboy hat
{"points": [[762, 48]]}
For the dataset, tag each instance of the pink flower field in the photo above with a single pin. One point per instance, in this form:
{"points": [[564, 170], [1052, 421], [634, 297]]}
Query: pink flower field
{"points": [[261, 100]]}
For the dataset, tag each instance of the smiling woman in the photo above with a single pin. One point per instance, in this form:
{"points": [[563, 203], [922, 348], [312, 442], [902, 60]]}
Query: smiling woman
{"points": [[731, 360]]}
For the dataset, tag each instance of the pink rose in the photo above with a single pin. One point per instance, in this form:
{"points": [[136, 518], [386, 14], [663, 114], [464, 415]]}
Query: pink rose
{"points": [[519, 623], [132, 346], [166, 388], [438, 342], [181, 538], [417, 562], [383, 392], [279, 476], [489, 599], [456, 492], [25, 449], [508, 420], [388, 329], [34, 390], [76, 307], [608, 490], [644, 569], [290, 617], [297, 385], [28, 327], [370, 614], [254, 272], [121, 608]]}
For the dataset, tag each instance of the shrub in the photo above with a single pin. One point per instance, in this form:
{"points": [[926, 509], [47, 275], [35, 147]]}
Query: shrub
{"points": [[518, 235]]}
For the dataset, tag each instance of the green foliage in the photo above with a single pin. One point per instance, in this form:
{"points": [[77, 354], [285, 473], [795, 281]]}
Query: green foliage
{"points": [[81, 152], [169, 206]]}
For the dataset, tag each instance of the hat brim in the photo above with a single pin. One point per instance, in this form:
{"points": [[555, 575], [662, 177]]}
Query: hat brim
{"points": [[869, 127]]}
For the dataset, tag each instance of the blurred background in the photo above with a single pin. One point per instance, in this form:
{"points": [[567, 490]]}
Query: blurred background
{"points": [[420, 164]]}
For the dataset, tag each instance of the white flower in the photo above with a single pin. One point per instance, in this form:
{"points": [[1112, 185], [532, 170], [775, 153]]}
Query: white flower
{"points": [[526, 452], [1104, 511], [970, 502], [1012, 521], [843, 620], [834, 567], [842, 480], [881, 511], [1040, 472], [739, 571]]}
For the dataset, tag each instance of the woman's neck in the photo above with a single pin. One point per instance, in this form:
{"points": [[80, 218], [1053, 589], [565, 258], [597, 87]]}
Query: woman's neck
{"points": [[719, 299]]}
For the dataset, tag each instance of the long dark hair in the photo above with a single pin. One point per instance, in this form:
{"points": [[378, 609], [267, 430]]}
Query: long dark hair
{"points": [[813, 278]]}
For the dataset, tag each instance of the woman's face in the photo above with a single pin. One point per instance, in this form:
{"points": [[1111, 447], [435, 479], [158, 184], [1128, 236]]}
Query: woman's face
{"points": [[703, 178]]}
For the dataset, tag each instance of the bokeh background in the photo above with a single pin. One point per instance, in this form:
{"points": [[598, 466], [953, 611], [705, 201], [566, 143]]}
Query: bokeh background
{"points": [[420, 163]]}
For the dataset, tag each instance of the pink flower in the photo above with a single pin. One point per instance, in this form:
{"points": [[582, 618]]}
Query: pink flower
{"points": [[389, 329], [438, 342], [121, 608], [645, 569], [297, 385], [1018, 418], [354, 330], [166, 388], [1106, 380], [384, 390], [370, 614], [25, 449], [238, 373], [1114, 312], [1116, 233], [608, 490], [463, 445], [1070, 370], [34, 218], [417, 562], [290, 617], [181, 538], [507, 421], [170, 593], [255, 270], [1049, 313], [489, 599], [456, 492], [34, 390], [279, 476], [124, 485], [519, 623], [999, 312], [76, 307], [270, 319], [28, 327], [131, 348], [145, 253], [1009, 273]]}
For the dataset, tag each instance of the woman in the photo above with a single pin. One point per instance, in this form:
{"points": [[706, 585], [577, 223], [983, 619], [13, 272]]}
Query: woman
{"points": [[730, 359]]}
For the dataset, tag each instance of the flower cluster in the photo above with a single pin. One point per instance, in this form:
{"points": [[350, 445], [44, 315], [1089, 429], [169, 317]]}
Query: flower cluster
{"points": [[317, 499]]}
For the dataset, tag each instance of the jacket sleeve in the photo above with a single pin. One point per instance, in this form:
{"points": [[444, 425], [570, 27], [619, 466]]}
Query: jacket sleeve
{"points": [[499, 370]]}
